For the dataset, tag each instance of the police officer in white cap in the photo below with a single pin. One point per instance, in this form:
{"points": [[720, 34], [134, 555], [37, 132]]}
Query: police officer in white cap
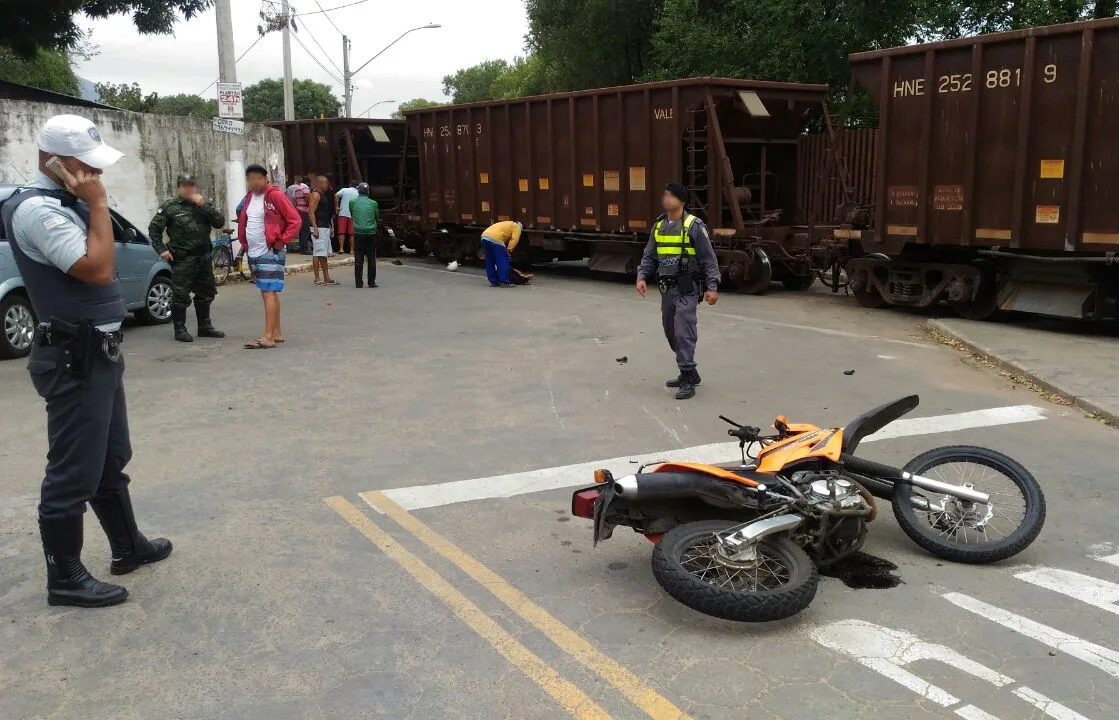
{"points": [[62, 240]]}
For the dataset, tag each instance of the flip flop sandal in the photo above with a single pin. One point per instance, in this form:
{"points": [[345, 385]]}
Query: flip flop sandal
{"points": [[319, 282], [332, 282], [259, 345]]}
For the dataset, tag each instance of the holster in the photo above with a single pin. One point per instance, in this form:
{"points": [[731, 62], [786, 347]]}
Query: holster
{"points": [[82, 343]]}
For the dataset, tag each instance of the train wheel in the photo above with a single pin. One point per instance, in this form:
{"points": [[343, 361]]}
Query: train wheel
{"points": [[985, 305], [758, 275], [868, 297], [445, 249], [798, 283]]}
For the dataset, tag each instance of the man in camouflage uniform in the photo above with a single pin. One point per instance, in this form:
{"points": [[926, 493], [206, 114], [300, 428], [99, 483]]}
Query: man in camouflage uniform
{"points": [[187, 219]]}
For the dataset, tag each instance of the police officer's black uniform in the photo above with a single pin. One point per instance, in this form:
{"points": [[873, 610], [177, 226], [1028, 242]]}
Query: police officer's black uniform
{"points": [[77, 369]]}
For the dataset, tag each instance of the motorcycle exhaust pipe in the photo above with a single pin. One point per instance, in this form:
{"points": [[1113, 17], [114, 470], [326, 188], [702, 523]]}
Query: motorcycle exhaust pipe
{"points": [[676, 486]]}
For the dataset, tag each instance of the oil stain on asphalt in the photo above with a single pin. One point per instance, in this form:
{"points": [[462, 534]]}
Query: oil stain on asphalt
{"points": [[863, 572]]}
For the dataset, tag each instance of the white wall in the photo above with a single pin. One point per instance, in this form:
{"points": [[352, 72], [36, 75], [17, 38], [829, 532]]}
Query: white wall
{"points": [[157, 148]]}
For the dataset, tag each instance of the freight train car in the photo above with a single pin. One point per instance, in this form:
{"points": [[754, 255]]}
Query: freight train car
{"points": [[997, 173], [370, 151], [584, 172]]}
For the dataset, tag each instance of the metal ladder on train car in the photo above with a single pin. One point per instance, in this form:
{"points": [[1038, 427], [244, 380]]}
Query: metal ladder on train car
{"points": [[698, 181]]}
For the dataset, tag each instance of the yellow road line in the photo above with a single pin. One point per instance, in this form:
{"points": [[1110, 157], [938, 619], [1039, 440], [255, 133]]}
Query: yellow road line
{"points": [[577, 704], [653, 703]]}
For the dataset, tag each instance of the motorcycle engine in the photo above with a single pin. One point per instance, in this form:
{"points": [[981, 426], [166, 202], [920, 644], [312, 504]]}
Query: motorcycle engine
{"points": [[839, 492]]}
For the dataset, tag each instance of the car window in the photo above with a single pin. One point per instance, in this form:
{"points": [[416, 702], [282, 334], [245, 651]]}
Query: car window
{"points": [[121, 228]]}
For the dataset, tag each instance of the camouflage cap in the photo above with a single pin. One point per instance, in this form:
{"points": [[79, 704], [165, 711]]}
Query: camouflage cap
{"points": [[187, 179]]}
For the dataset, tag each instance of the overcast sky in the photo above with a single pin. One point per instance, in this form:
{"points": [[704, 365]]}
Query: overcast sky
{"points": [[414, 67]]}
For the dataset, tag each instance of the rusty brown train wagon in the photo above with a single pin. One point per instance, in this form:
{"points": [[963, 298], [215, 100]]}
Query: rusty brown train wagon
{"points": [[997, 173], [362, 150], [585, 171]]}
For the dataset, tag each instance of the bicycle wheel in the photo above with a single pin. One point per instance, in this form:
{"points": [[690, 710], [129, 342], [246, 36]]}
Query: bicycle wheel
{"points": [[222, 262]]}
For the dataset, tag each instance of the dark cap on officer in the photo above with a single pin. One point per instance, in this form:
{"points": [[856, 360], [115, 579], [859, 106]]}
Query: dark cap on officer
{"points": [[186, 179]]}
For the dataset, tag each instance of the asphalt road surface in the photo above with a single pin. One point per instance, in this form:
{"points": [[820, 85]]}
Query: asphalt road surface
{"points": [[372, 521]]}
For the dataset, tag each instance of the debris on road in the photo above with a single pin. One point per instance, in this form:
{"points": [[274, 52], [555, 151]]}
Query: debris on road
{"points": [[848, 372], [622, 360]]}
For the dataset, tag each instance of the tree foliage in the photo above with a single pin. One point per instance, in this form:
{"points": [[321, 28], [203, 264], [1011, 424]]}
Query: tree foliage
{"points": [[591, 43], [31, 25], [414, 104], [130, 97], [46, 69], [265, 100], [578, 44], [475, 83], [498, 79]]}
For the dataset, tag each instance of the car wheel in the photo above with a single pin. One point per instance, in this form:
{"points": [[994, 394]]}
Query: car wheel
{"points": [[19, 322], [157, 302]]}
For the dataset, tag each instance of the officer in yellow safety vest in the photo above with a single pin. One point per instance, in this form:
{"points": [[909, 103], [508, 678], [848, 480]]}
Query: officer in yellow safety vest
{"points": [[680, 252]]}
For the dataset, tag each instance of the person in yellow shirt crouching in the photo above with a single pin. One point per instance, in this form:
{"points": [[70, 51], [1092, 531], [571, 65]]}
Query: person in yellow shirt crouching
{"points": [[498, 243]]}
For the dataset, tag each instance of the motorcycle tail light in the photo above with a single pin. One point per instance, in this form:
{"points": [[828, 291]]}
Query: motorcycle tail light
{"points": [[582, 505]]}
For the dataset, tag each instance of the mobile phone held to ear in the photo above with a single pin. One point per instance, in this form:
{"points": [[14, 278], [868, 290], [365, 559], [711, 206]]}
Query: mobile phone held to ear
{"points": [[54, 163]]}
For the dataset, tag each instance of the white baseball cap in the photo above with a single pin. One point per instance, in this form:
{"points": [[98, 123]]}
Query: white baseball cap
{"points": [[75, 136]]}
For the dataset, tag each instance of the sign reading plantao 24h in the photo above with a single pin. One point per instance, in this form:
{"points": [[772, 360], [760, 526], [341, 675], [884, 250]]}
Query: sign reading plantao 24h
{"points": [[230, 101]]}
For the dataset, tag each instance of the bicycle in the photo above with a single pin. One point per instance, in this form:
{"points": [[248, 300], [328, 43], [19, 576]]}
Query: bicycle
{"points": [[228, 260]]}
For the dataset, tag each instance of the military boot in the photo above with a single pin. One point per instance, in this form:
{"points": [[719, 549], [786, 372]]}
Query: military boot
{"points": [[130, 548], [68, 581], [206, 328], [686, 389], [675, 383], [178, 317]]}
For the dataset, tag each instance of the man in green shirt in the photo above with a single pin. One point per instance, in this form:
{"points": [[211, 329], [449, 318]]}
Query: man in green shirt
{"points": [[366, 214]]}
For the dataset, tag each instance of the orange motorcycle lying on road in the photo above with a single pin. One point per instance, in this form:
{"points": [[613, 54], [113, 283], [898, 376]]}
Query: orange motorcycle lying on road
{"points": [[743, 542]]}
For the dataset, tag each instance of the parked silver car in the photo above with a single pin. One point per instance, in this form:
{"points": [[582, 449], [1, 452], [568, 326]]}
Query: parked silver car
{"points": [[144, 277]]}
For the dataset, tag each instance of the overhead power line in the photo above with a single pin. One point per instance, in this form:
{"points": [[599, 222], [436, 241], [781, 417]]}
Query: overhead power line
{"points": [[336, 7], [311, 55], [324, 52], [326, 14], [215, 82]]}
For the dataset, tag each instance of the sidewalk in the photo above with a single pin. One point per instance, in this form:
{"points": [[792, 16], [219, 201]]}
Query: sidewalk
{"points": [[297, 263], [1077, 362]]}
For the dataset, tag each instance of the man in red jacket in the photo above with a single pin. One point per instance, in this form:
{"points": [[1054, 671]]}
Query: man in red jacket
{"points": [[266, 224]]}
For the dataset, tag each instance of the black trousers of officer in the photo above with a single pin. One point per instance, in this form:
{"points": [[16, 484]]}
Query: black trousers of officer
{"points": [[87, 431]]}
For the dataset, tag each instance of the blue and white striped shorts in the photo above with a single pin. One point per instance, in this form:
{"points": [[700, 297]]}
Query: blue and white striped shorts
{"points": [[268, 271]]}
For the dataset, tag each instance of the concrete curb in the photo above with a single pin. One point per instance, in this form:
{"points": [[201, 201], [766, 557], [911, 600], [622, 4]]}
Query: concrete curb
{"points": [[1034, 376], [303, 267], [298, 268]]}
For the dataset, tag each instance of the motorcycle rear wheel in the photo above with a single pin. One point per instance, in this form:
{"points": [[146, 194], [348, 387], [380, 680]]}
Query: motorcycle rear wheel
{"points": [[783, 583], [946, 534]]}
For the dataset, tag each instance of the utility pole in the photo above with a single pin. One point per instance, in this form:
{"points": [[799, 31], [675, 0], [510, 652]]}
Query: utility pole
{"points": [[289, 94], [227, 60], [347, 88]]}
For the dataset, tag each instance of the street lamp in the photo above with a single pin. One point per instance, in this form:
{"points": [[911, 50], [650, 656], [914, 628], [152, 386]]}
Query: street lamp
{"points": [[347, 75], [366, 111]]}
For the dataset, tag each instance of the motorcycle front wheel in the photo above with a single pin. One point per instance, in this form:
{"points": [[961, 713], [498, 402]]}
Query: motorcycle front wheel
{"points": [[779, 584], [968, 532]]}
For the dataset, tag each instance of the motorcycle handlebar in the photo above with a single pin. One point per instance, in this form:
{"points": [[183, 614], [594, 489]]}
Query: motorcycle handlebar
{"points": [[745, 433]]}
